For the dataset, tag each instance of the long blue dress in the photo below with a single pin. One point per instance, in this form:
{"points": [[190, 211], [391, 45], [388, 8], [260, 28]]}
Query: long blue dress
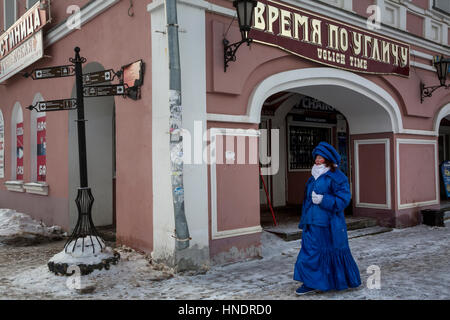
{"points": [[325, 261]]}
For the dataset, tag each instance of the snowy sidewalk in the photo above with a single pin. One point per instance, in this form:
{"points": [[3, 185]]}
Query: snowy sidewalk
{"points": [[414, 264]]}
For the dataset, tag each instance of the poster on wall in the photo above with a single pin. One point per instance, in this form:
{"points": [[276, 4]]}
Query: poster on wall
{"points": [[445, 171], [2, 147], [41, 149], [19, 167]]}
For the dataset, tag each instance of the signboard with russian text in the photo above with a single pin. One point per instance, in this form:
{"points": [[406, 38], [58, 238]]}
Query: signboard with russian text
{"points": [[19, 156], [41, 149], [28, 53], [22, 44], [327, 41]]}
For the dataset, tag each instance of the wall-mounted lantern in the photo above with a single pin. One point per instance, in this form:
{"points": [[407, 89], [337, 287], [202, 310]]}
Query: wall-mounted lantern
{"points": [[441, 66], [245, 9]]}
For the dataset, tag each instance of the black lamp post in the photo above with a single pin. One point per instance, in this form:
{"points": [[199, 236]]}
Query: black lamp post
{"points": [[245, 9], [441, 66]]}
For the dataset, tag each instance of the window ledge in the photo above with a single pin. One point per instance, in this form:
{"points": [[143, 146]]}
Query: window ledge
{"points": [[40, 188], [16, 186]]}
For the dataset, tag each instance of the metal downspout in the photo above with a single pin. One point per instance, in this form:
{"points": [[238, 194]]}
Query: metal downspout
{"points": [[176, 139]]}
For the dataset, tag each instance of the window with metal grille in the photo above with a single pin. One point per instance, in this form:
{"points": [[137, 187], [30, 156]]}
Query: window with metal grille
{"points": [[302, 141]]}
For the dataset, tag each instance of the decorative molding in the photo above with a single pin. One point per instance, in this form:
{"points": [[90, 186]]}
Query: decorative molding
{"points": [[88, 12], [216, 234], [16, 186], [36, 188], [436, 157], [387, 156]]}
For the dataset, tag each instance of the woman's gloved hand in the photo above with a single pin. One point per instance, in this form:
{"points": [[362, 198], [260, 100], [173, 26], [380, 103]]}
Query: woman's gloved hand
{"points": [[316, 198]]}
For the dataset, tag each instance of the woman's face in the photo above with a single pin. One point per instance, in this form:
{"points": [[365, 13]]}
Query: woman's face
{"points": [[319, 160]]}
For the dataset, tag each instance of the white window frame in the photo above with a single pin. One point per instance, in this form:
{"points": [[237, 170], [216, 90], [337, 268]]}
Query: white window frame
{"points": [[4, 14]]}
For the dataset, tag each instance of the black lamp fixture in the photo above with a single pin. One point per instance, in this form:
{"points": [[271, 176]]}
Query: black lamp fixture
{"points": [[441, 64], [245, 9]]}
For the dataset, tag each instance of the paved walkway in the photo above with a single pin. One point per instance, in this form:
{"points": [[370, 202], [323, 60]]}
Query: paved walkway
{"points": [[414, 263]]}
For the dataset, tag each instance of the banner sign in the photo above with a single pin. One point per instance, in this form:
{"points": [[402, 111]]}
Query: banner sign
{"points": [[41, 149], [327, 41], [28, 53], [102, 91], [19, 158], [22, 44]]}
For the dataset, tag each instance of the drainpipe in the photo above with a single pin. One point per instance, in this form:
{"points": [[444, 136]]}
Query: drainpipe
{"points": [[176, 140]]}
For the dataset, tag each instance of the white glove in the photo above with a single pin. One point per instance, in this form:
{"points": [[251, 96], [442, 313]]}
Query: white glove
{"points": [[316, 198]]}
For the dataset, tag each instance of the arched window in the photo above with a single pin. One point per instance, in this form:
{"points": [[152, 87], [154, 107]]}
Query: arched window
{"points": [[2, 146]]}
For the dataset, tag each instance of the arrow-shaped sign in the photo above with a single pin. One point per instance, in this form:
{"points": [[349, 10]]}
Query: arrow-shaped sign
{"points": [[103, 91], [53, 72], [54, 105], [98, 77]]}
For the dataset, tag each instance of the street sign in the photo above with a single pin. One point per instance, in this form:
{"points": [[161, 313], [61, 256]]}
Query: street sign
{"points": [[53, 72], [55, 105], [103, 91], [98, 77]]}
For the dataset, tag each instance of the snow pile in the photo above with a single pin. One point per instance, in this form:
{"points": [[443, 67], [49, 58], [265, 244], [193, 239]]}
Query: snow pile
{"points": [[89, 250], [16, 227]]}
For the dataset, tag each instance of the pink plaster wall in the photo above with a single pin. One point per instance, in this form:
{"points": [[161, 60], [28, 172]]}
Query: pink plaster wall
{"points": [[360, 7], [414, 24], [372, 173], [113, 39], [237, 187], [237, 203], [417, 173], [424, 4], [384, 217]]}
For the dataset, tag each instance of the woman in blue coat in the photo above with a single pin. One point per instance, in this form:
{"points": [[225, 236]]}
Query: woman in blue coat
{"points": [[325, 261]]}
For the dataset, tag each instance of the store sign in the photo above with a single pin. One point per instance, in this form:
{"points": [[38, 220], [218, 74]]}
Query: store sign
{"points": [[22, 44], [328, 41]]}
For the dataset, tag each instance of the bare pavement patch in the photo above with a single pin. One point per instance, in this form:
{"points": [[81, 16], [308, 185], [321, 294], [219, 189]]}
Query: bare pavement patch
{"points": [[413, 264]]}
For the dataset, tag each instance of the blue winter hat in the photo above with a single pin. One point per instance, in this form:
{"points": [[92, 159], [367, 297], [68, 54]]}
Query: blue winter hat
{"points": [[327, 151]]}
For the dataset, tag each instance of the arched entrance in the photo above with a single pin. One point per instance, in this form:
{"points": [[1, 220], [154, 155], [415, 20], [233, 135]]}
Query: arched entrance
{"points": [[371, 115], [442, 130], [100, 144]]}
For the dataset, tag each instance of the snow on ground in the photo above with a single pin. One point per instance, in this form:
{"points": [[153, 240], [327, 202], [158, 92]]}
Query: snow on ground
{"points": [[16, 225], [414, 264], [90, 250]]}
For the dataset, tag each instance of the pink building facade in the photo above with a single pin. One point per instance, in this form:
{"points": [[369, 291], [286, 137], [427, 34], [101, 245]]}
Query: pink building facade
{"points": [[392, 143]]}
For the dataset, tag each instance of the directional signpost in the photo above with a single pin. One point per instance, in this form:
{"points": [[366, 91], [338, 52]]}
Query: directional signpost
{"points": [[85, 88], [55, 105]]}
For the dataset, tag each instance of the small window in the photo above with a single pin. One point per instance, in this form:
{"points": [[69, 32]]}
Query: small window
{"points": [[302, 141], [30, 3], [442, 5], [10, 12]]}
